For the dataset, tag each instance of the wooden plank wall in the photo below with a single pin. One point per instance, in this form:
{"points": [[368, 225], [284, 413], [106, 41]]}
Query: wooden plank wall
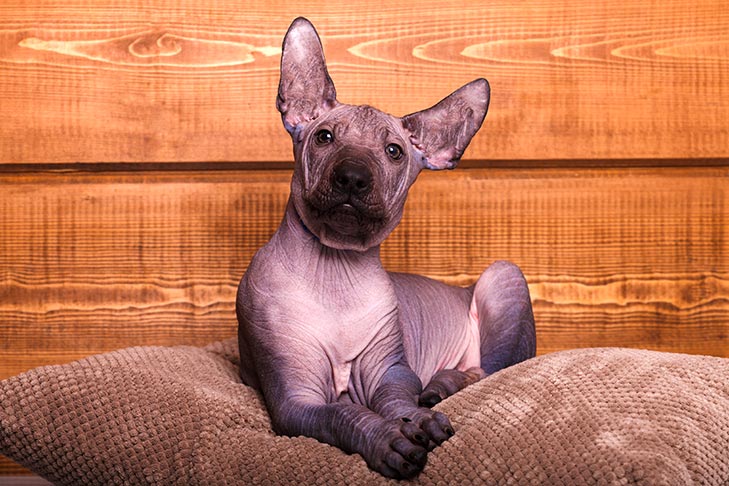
{"points": [[192, 80], [142, 163]]}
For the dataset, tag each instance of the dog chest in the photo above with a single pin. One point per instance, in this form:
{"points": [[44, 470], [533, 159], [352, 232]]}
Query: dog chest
{"points": [[346, 334]]}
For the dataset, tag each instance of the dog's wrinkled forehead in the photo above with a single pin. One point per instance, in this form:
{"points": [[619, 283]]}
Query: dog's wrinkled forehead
{"points": [[362, 123]]}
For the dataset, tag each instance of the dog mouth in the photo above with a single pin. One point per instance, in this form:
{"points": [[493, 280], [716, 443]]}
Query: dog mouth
{"points": [[347, 215], [348, 220]]}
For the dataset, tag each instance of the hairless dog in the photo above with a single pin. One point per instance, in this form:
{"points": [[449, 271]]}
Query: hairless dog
{"points": [[342, 350]]}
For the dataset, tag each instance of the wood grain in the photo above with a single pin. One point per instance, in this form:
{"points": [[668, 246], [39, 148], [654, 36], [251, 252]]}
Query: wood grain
{"points": [[163, 81], [94, 262]]}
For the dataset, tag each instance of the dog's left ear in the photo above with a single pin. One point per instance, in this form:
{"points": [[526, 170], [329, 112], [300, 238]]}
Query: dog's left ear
{"points": [[305, 90], [443, 131]]}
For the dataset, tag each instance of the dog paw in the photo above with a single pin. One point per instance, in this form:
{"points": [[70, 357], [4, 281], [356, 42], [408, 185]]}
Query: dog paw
{"points": [[401, 451], [446, 383], [434, 424]]}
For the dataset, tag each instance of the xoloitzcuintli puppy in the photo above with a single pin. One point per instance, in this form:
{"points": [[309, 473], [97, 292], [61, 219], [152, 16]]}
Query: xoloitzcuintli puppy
{"points": [[339, 347]]}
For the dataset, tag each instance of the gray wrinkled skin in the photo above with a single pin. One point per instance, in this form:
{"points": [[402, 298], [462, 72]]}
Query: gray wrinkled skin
{"points": [[340, 348]]}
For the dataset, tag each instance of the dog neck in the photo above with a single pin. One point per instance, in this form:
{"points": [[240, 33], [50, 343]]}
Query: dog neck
{"points": [[296, 239]]}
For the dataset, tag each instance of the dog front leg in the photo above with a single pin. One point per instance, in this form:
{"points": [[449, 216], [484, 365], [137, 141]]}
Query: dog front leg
{"points": [[394, 448], [396, 398]]}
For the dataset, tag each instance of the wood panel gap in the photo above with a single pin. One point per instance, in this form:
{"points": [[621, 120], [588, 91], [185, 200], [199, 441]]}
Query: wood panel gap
{"points": [[288, 165]]}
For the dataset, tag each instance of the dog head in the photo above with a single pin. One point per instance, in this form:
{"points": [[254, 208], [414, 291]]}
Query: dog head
{"points": [[355, 164]]}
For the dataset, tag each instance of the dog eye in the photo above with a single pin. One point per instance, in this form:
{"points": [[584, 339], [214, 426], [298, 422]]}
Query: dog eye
{"points": [[324, 137], [394, 151]]}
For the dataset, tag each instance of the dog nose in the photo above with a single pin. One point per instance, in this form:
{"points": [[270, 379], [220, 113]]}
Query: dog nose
{"points": [[352, 177]]}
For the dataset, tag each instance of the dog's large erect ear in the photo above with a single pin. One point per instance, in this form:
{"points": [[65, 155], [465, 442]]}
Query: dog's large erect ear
{"points": [[305, 90], [443, 131]]}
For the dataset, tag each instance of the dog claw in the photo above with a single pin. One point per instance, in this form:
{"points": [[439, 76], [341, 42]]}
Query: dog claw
{"points": [[429, 400]]}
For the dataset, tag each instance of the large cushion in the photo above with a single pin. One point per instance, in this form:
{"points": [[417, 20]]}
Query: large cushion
{"points": [[180, 415]]}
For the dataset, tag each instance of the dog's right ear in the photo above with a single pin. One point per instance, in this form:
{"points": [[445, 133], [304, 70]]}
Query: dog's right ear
{"points": [[442, 132], [305, 90]]}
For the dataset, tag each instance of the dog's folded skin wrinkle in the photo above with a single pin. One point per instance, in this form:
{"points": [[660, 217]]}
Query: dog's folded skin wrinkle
{"points": [[342, 350]]}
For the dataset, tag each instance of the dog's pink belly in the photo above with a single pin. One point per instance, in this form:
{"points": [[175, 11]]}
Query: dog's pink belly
{"points": [[472, 352], [462, 352], [452, 346]]}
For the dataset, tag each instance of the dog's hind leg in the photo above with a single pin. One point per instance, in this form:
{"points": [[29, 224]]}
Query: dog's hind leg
{"points": [[502, 309]]}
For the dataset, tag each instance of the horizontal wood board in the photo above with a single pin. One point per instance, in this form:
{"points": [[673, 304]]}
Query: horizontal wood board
{"points": [[94, 262], [167, 81]]}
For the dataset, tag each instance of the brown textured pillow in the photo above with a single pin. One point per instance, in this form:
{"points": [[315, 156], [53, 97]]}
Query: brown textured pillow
{"points": [[179, 415]]}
